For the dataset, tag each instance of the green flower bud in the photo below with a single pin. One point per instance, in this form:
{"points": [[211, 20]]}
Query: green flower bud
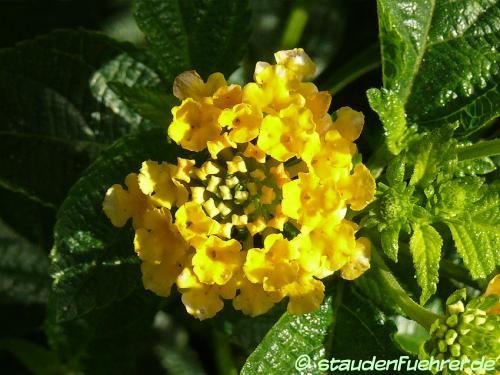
{"points": [[451, 336], [452, 321], [455, 350]]}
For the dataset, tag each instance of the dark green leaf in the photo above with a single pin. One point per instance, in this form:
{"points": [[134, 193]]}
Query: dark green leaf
{"points": [[208, 35], [24, 270], [50, 116], [344, 321], [32, 220], [94, 262], [440, 59], [108, 340], [150, 104]]}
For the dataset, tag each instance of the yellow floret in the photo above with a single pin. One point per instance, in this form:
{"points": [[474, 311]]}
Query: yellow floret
{"points": [[155, 180], [194, 124], [217, 260], [120, 205], [243, 122]]}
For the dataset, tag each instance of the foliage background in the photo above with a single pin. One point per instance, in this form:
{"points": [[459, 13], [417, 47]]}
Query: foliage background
{"points": [[59, 112]]}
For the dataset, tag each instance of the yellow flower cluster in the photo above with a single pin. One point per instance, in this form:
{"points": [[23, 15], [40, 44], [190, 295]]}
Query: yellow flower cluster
{"points": [[278, 165]]}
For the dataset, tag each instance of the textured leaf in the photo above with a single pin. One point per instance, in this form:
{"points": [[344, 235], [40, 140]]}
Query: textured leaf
{"points": [[208, 35], [245, 331], [425, 247], [440, 59], [477, 234], [345, 320], [389, 239], [32, 220], [106, 341], [125, 70], [432, 154], [392, 115], [150, 104], [24, 270], [94, 262], [50, 116], [475, 167]]}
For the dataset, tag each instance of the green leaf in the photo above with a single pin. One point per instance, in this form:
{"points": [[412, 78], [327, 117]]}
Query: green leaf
{"points": [[477, 233], [440, 59], [150, 104], [389, 239], [207, 35], [245, 331], [425, 247], [345, 320], [392, 115], [94, 262], [434, 153], [124, 70], [50, 116], [106, 341], [29, 218], [411, 335], [24, 270], [473, 167]]}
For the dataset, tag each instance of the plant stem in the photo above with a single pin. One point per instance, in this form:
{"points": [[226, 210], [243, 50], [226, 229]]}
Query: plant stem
{"points": [[378, 161], [295, 26], [359, 65], [416, 312], [223, 355], [454, 271], [480, 150]]}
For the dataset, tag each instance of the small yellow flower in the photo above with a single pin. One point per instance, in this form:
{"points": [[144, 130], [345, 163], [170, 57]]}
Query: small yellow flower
{"points": [[310, 201], [253, 300], [120, 205], [194, 224], [156, 181], [159, 238], [358, 189], [306, 294], [243, 121], [216, 260], [297, 61], [275, 265], [359, 261], [201, 300], [190, 85], [194, 124], [291, 133]]}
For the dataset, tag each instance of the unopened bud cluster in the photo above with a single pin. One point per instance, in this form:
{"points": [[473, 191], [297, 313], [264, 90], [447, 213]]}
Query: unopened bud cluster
{"points": [[467, 332]]}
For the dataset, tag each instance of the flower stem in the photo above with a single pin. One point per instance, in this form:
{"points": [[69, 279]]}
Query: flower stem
{"points": [[295, 26], [480, 150], [223, 355], [416, 312]]}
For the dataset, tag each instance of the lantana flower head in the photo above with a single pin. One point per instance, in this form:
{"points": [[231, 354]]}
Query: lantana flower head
{"points": [[264, 218]]}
